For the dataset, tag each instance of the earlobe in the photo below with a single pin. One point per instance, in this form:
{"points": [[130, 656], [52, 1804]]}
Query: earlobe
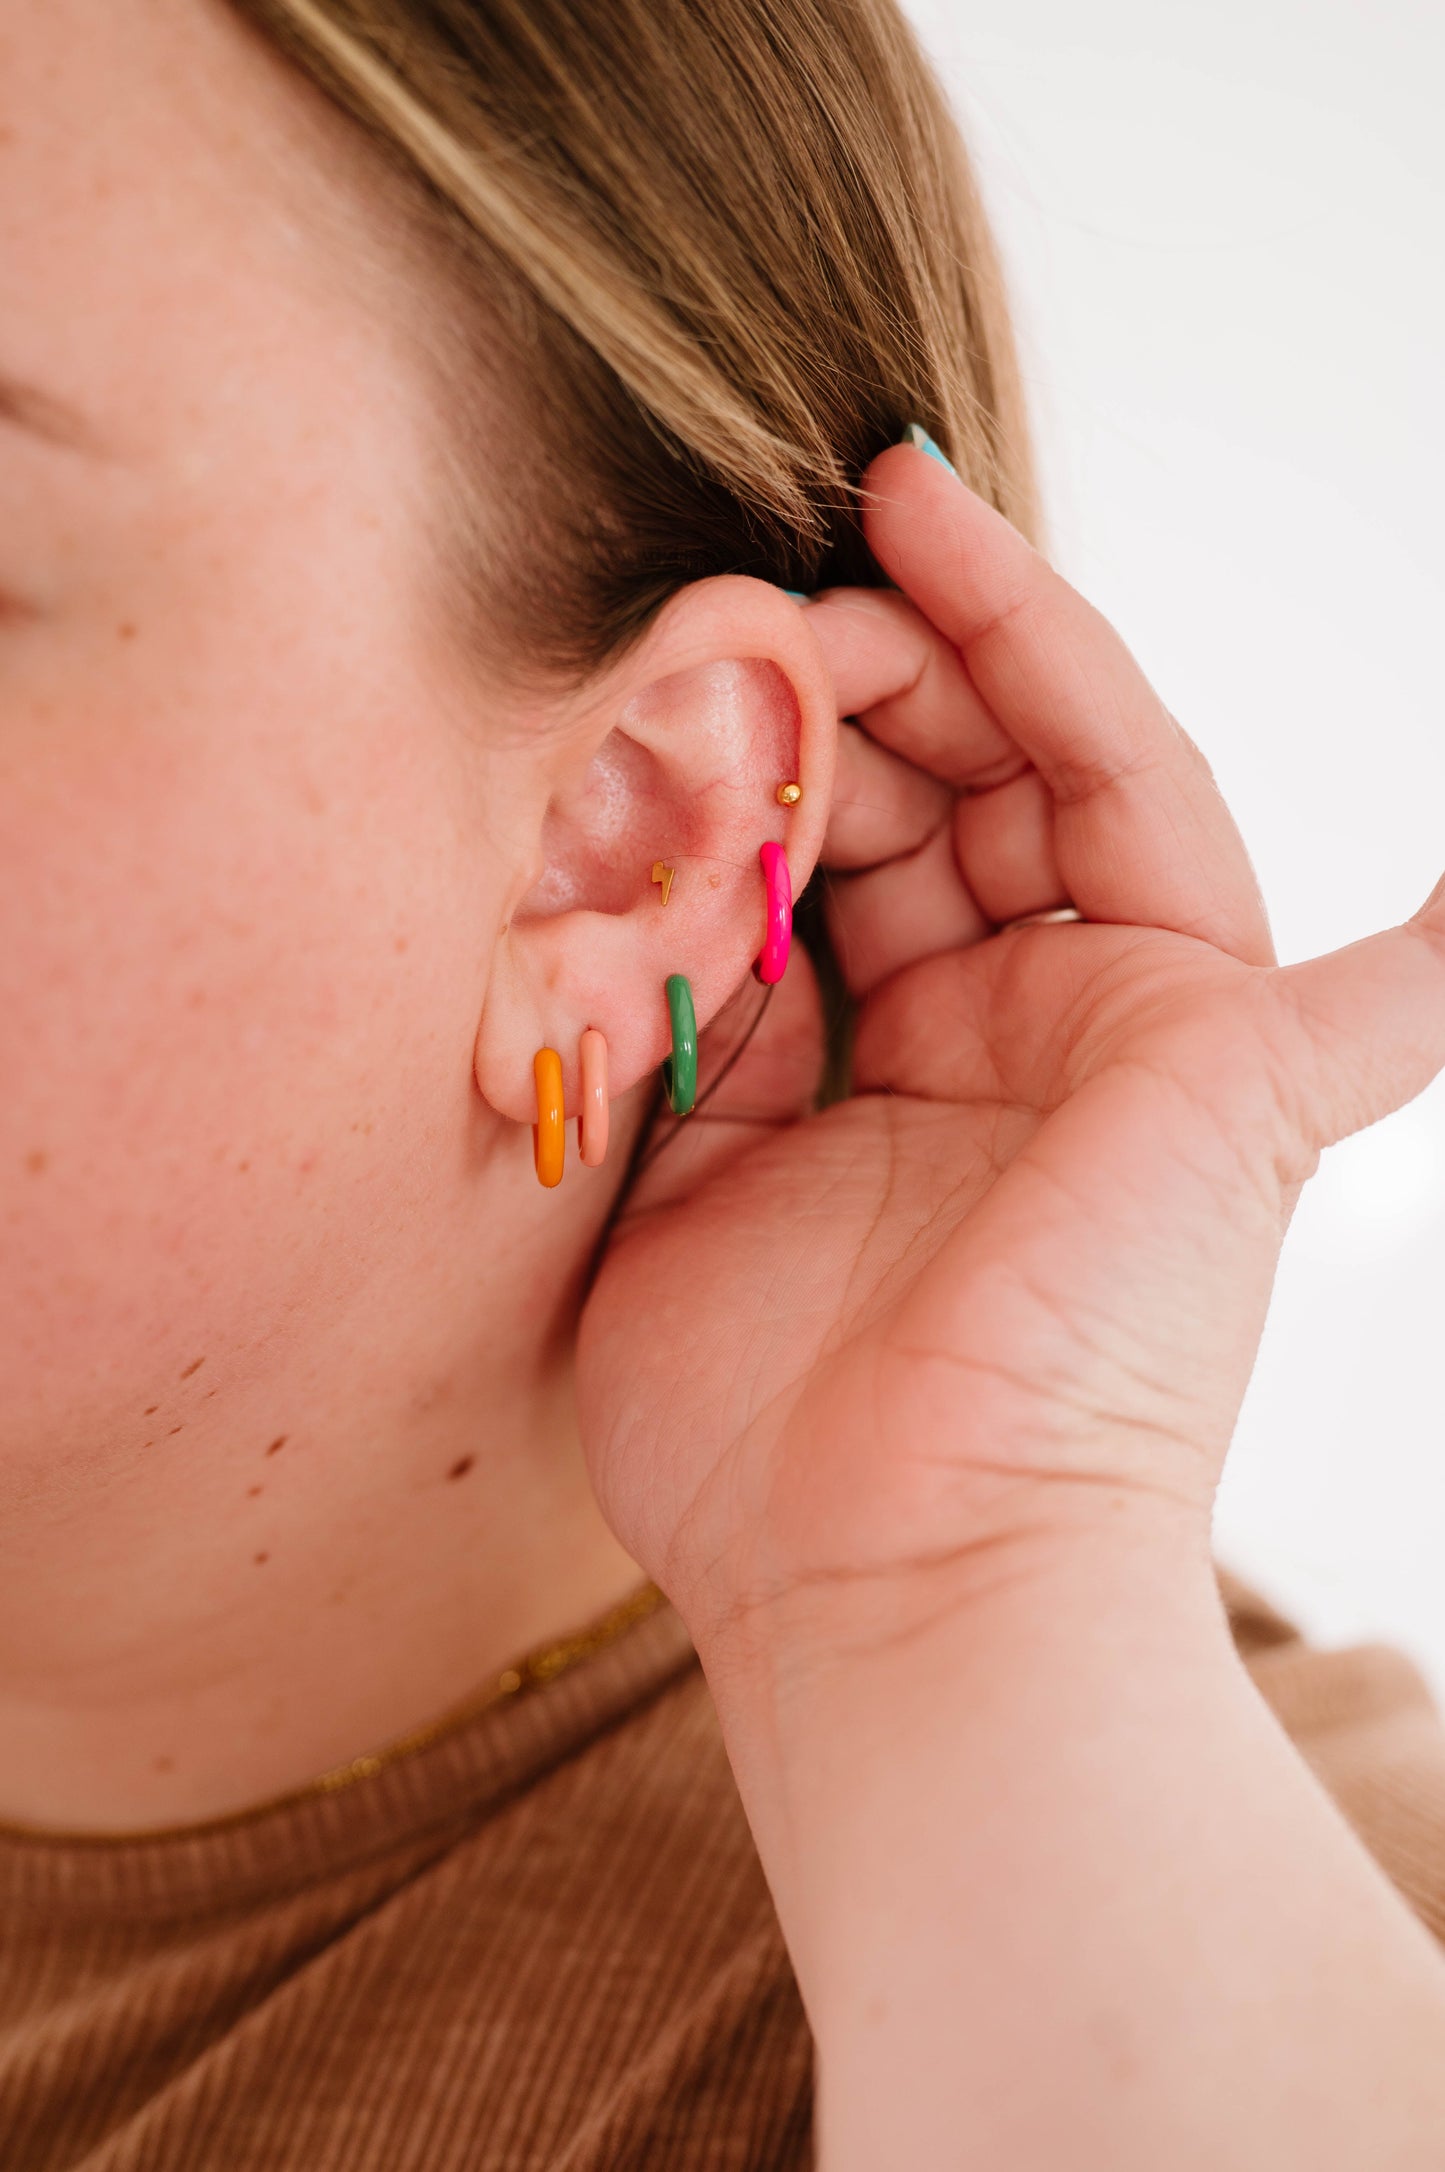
{"points": [[679, 1066], [690, 800]]}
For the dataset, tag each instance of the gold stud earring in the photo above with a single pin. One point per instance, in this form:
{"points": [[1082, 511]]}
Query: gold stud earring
{"points": [[788, 795]]}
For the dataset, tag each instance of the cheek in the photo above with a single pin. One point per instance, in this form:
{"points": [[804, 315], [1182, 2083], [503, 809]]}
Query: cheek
{"points": [[239, 978]]}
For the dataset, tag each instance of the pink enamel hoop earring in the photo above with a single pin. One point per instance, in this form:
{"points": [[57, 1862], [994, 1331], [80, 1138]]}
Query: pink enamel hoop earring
{"points": [[592, 1123], [774, 954]]}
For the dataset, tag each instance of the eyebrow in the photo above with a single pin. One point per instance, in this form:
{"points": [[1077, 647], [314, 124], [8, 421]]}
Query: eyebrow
{"points": [[43, 415]]}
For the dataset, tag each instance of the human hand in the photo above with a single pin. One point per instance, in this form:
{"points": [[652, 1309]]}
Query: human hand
{"points": [[1017, 1281]]}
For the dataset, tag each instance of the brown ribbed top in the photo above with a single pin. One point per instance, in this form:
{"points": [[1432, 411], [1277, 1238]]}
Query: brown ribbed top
{"points": [[536, 1937]]}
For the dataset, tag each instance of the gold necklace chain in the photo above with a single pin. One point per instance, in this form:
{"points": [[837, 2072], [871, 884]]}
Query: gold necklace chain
{"points": [[533, 1671]]}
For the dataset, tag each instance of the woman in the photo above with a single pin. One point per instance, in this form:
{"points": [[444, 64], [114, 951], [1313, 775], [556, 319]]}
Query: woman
{"points": [[423, 419]]}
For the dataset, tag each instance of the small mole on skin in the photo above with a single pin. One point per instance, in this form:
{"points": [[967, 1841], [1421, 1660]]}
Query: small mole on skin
{"points": [[243, 1166], [164, 1764], [174, 1430], [460, 1468], [252, 1491], [126, 631], [193, 1368], [37, 1161], [278, 1444], [150, 1410], [259, 1558]]}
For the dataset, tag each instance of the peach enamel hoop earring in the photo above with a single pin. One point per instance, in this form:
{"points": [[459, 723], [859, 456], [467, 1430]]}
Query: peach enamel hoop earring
{"points": [[593, 1120]]}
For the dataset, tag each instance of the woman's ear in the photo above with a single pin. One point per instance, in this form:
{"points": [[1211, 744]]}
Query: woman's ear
{"points": [[674, 764]]}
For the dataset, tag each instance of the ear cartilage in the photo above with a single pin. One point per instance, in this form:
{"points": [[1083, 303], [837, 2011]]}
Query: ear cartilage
{"points": [[788, 795], [773, 956], [679, 1070], [593, 1120], [549, 1135], [664, 875]]}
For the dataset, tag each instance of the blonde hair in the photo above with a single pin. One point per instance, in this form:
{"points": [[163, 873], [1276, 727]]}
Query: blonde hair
{"points": [[718, 251]]}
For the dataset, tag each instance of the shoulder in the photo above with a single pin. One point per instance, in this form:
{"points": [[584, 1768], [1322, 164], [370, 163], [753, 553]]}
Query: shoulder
{"points": [[1363, 1718]]}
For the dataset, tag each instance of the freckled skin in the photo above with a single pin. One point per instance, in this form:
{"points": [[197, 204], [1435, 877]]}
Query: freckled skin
{"points": [[460, 1468], [262, 817], [210, 835]]}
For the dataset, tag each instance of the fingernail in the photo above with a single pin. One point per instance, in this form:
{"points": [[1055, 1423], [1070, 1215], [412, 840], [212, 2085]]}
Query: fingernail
{"points": [[797, 595], [915, 434]]}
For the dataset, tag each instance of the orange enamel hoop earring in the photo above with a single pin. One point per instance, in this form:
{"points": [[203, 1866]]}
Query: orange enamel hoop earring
{"points": [[549, 1135]]}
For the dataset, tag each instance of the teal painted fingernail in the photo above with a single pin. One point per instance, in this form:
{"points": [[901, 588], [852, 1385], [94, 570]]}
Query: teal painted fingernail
{"points": [[796, 594], [915, 434]]}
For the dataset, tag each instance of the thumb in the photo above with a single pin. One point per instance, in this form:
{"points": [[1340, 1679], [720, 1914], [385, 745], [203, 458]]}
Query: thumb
{"points": [[1365, 1026]]}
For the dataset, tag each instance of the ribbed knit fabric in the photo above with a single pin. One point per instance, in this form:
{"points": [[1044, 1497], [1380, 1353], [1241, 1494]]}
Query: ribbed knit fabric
{"points": [[543, 1939]]}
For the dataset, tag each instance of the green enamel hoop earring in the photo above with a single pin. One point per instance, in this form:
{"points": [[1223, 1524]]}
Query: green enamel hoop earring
{"points": [[679, 1070]]}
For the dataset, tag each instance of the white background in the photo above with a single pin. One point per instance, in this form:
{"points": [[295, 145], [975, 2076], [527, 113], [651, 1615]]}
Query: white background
{"points": [[1223, 221]]}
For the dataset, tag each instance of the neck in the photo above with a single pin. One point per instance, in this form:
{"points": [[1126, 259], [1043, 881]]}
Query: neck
{"points": [[189, 1630]]}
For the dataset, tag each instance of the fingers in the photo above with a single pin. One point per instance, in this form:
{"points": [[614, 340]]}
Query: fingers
{"points": [[1141, 835], [907, 909], [1362, 1031], [881, 806], [939, 870], [903, 680], [1004, 842], [916, 705]]}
